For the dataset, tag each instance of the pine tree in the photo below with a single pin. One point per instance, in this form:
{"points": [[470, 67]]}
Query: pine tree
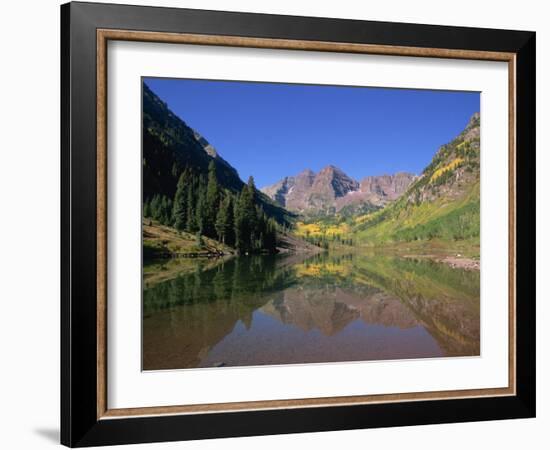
{"points": [[251, 189], [191, 224], [179, 209], [237, 233], [222, 219], [165, 210], [169, 207], [242, 233], [211, 202], [261, 230], [245, 219], [155, 207], [200, 210], [230, 222], [252, 213], [146, 209], [270, 239]]}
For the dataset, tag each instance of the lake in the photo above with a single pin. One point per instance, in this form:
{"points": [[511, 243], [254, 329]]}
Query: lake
{"points": [[258, 310]]}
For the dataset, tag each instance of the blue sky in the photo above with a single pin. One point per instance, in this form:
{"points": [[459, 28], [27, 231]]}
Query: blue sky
{"points": [[271, 130]]}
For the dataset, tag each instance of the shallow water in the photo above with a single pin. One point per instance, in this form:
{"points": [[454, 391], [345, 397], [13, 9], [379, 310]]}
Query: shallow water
{"points": [[257, 310]]}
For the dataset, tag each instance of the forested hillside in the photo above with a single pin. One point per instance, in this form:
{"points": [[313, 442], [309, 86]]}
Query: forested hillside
{"points": [[189, 187], [170, 147]]}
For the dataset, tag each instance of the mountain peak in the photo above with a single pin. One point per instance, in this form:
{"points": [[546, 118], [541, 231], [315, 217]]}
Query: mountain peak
{"points": [[334, 173], [472, 128], [473, 122], [306, 173], [331, 168], [329, 184]]}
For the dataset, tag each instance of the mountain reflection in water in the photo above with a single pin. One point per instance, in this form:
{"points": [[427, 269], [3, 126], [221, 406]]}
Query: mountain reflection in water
{"points": [[294, 309]]}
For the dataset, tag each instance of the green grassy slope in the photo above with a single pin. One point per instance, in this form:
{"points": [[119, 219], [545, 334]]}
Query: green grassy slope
{"points": [[160, 241], [440, 218]]}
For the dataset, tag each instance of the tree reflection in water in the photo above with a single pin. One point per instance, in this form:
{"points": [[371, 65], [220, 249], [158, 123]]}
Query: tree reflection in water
{"points": [[295, 309]]}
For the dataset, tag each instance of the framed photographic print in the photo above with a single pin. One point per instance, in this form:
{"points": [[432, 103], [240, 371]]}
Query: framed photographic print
{"points": [[276, 224]]}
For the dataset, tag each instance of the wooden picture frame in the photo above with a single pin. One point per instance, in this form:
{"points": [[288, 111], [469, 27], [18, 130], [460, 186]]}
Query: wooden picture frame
{"points": [[86, 418]]}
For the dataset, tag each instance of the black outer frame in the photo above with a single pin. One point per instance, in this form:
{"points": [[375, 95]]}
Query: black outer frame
{"points": [[79, 423]]}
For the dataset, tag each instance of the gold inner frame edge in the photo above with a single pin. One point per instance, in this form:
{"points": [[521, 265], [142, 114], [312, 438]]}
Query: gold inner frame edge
{"points": [[103, 36]]}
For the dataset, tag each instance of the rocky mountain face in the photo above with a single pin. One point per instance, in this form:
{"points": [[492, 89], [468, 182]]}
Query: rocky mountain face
{"points": [[453, 170], [388, 187], [211, 151], [329, 184], [331, 191]]}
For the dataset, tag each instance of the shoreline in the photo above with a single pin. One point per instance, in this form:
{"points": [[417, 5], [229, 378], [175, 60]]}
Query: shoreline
{"points": [[456, 262]]}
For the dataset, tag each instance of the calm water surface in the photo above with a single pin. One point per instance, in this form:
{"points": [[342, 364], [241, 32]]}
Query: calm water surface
{"points": [[259, 310]]}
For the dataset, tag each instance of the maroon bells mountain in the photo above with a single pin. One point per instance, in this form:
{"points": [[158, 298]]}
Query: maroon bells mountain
{"points": [[331, 190]]}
